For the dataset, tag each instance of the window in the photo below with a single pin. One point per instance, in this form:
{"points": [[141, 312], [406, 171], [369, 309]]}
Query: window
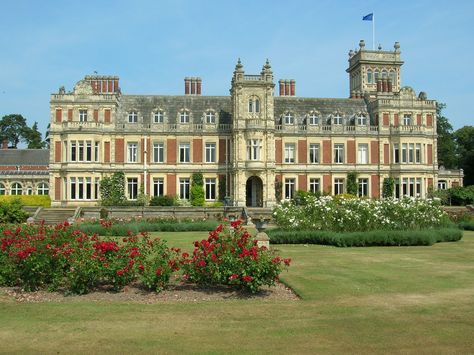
{"points": [[442, 185], [337, 119], [411, 153], [88, 188], [289, 153], [73, 188], [158, 187], [257, 105], [392, 77], [132, 152], [338, 186], [184, 188], [88, 151], [73, 151], [210, 117], [250, 105], [376, 76], [80, 146], [363, 187], [29, 191], [254, 147], [338, 153], [132, 117], [254, 105], [82, 115], [313, 119], [396, 153], [96, 151], [314, 153], [412, 187], [43, 189], [158, 117], [289, 118], [80, 188], [361, 120], [96, 188], [289, 189], [370, 77], [418, 187], [210, 152], [363, 154], [16, 189], [418, 153], [3, 191], [404, 153], [184, 116], [158, 153], [314, 185], [210, 189], [184, 153], [132, 188], [407, 120]]}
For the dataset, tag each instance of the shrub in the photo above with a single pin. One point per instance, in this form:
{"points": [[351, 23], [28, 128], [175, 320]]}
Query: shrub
{"points": [[467, 225], [12, 211], [112, 189], [232, 257], [35, 257], [197, 190], [165, 200], [461, 195], [365, 239], [387, 188], [28, 200], [344, 214], [352, 187]]}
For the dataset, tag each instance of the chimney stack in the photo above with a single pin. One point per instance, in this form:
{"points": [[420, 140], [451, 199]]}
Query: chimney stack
{"points": [[102, 84], [192, 86], [287, 87]]}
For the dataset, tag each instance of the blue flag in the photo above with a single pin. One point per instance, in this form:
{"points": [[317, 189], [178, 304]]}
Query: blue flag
{"points": [[368, 17]]}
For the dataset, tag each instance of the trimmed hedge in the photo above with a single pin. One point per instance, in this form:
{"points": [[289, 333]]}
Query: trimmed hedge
{"points": [[29, 200], [467, 225], [365, 239], [123, 229]]}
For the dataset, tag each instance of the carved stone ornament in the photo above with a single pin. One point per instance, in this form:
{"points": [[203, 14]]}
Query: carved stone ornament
{"points": [[83, 88]]}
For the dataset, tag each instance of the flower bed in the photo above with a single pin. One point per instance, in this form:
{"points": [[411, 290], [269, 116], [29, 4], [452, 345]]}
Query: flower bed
{"points": [[62, 257], [355, 214]]}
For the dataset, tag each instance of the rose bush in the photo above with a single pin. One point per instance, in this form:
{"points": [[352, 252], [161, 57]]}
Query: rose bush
{"points": [[341, 214], [229, 256]]}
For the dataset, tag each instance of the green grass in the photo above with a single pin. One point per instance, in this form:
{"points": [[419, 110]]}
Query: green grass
{"points": [[354, 300]]}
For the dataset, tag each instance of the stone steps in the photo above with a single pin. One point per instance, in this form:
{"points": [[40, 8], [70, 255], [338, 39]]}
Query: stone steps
{"points": [[55, 215]]}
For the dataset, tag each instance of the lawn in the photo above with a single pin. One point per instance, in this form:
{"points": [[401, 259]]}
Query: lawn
{"points": [[354, 300]]}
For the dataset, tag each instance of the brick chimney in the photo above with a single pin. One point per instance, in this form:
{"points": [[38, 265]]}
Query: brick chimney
{"points": [[287, 87], [192, 86], [103, 84]]}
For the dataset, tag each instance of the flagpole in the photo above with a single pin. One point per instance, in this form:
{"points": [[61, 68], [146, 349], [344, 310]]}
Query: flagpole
{"points": [[373, 31]]}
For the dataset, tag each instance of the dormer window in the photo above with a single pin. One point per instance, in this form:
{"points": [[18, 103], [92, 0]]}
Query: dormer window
{"points": [[82, 115], [132, 117], [158, 116], [210, 117], [337, 119], [289, 118], [313, 118], [184, 116], [361, 120]]}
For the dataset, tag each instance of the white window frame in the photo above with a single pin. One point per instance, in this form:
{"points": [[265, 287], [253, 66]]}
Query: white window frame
{"points": [[290, 156], [337, 119], [210, 189], [407, 119], [132, 152], [132, 188], [16, 189], [158, 152], [254, 149], [3, 189], [210, 117], [158, 117], [314, 150], [210, 152], [184, 116], [363, 153], [314, 185], [184, 152], [361, 120], [184, 187], [338, 186], [82, 115], [339, 153], [363, 187], [158, 186], [133, 117], [313, 119], [42, 189], [289, 118], [290, 188]]}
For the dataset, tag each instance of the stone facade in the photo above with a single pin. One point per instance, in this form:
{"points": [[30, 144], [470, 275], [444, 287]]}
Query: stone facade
{"points": [[252, 146]]}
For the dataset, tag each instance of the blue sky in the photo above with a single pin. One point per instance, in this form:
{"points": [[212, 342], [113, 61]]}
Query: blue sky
{"points": [[153, 45]]}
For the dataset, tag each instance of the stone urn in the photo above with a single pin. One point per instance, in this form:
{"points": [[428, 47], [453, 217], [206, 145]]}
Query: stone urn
{"points": [[261, 223]]}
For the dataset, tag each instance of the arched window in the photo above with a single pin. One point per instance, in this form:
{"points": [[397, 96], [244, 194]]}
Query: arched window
{"points": [[257, 105], [376, 75], [384, 74], [370, 77], [16, 189], [250, 105], [3, 191], [254, 105], [43, 188], [392, 77]]}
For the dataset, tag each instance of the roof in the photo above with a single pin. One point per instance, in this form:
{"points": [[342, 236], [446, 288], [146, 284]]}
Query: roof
{"points": [[20, 157]]}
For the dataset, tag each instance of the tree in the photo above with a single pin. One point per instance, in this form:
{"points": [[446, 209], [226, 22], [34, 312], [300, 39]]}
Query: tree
{"points": [[387, 189], [112, 189], [446, 145], [33, 137], [197, 190], [12, 128], [464, 138], [352, 187]]}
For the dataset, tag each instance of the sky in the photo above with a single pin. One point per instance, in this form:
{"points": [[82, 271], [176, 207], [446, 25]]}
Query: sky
{"points": [[153, 44]]}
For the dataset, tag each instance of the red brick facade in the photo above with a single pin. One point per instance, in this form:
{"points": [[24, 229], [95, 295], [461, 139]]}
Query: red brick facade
{"points": [[171, 151], [119, 150]]}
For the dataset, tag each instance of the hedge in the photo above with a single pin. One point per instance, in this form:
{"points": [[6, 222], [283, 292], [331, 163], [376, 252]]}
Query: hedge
{"points": [[467, 225], [365, 239], [123, 229], [29, 200]]}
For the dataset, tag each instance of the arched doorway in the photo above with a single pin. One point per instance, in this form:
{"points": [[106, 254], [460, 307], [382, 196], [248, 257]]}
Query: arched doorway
{"points": [[254, 192]]}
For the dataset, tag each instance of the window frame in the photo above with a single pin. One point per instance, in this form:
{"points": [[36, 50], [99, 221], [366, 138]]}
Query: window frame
{"points": [[210, 152], [184, 151], [133, 116], [339, 153], [290, 153], [132, 152], [314, 153]]}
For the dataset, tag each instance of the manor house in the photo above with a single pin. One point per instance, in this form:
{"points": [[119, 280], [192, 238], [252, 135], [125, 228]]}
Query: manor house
{"points": [[256, 146]]}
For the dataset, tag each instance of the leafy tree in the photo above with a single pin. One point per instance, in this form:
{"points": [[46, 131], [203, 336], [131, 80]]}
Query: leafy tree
{"points": [[446, 145], [12, 128], [352, 187], [387, 189], [33, 137], [464, 138], [112, 189]]}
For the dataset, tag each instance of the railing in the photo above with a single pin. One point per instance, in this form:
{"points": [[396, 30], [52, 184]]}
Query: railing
{"points": [[252, 77], [151, 127], [328, 129]]}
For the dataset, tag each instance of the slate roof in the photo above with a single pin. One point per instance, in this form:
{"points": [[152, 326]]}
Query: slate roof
{"points": [[24, 157], [172, 105]]}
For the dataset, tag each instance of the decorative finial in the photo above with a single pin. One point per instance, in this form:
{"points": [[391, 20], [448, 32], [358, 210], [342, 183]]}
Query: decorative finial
{"points": [[397, 46], [361, 44], [267, 65], [380, 47]]}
